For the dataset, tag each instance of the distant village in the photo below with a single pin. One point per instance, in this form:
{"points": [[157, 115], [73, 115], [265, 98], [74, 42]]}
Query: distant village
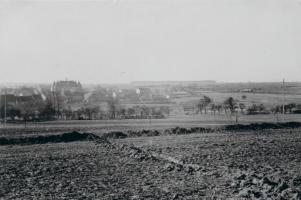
{"points": [[70, 100]]}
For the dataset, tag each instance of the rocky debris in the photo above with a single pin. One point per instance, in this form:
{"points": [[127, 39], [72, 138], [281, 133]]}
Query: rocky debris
{"points": [[176, 164], [139, 154], [132, 152], [251, 186], [65, 137], [169, 167], [297, 181]]}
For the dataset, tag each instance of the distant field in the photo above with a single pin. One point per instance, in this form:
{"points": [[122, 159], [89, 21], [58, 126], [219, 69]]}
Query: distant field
{"points": [[269, 100]]}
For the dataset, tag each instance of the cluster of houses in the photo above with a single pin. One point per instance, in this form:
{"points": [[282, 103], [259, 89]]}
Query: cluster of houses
{"points": [[20, 95], [68, 99]]}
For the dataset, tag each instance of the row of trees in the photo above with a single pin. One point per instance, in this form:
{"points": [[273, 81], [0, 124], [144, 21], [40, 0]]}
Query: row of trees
{"points": [[230, 105], [288, 108], [113, 110]]}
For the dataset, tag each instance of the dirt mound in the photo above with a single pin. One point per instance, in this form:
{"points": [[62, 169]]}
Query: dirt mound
{"points": [[115, 135], [262, 126], [171, 131], [236, 127], [144, 133], [183, 131], [65, 137]]}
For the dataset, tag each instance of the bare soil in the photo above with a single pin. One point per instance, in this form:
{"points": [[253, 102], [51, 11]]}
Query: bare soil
{"points": [[260, 164]]}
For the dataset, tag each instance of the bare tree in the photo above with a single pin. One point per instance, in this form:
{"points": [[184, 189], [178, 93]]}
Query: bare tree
{"points": [[207, 101], [112, 106], [200, 106], [122, 112], [203, 104], [230, 104], [218, 107]]}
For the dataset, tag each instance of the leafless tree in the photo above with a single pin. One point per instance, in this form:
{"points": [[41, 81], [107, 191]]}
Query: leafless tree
{"points": [[230, 104], [203, 104], [112, 106]]}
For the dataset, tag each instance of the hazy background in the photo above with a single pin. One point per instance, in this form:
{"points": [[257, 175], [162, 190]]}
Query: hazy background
{"points": [[127, 40]]}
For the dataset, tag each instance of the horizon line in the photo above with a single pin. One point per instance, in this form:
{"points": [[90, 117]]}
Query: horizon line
{"points": [[149, 81]]}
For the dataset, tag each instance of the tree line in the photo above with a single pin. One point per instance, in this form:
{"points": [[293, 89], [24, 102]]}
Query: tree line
{"points": [[38, 110], [231, 106]]}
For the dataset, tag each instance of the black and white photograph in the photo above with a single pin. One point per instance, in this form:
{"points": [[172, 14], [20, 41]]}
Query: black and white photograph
{"points": [[150, 99]]}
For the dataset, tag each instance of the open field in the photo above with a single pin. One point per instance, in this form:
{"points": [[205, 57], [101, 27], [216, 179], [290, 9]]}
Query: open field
{"points": [[267, 99], [240, 165]]}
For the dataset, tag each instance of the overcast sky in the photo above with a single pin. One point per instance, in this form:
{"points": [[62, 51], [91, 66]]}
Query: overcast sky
{"points": [[113, 41]]}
